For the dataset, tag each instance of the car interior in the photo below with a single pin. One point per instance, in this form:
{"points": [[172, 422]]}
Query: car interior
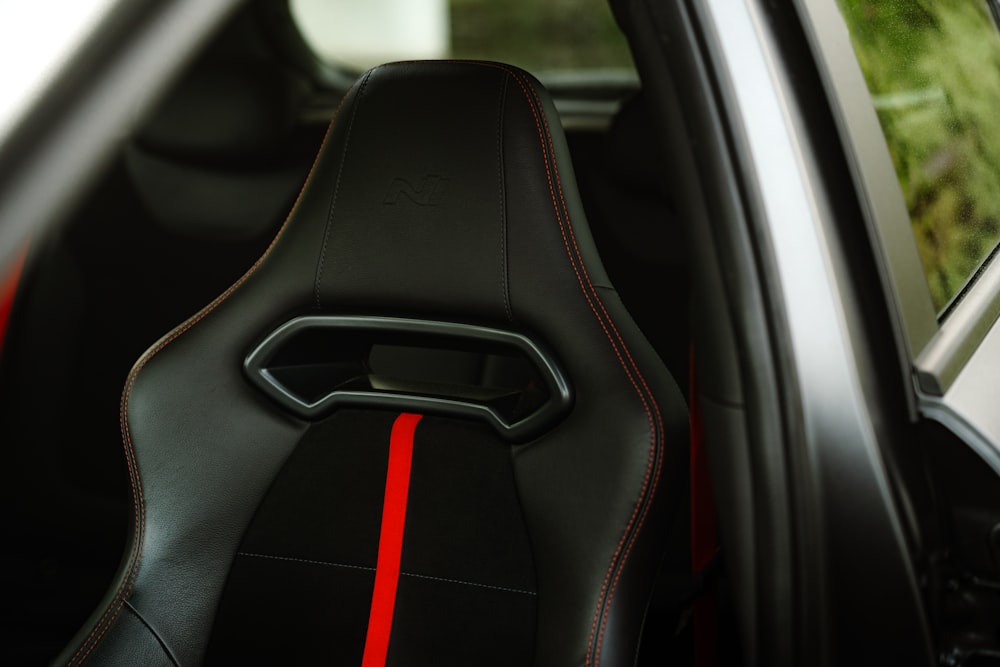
{"points": [[193, 199], [178, 353]]}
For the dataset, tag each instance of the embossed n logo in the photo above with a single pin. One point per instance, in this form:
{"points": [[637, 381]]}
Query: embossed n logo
{"points": [[428, 194]]}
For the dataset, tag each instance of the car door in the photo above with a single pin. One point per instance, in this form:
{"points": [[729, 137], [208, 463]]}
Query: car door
{"points": [[845, 396]]}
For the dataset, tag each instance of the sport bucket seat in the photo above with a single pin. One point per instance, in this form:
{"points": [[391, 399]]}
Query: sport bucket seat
{"points": [[420, 430]]}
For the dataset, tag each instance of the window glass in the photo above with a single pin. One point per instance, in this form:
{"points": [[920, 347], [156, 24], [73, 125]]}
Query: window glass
{"points": [[933, 71], [538, 35]]}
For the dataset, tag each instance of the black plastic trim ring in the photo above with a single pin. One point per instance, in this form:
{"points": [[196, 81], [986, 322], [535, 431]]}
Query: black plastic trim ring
{"points": [[355, 384]]}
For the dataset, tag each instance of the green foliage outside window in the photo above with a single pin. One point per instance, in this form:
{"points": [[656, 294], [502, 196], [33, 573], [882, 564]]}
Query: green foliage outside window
{"points": [[539, 35], [933, 70]]}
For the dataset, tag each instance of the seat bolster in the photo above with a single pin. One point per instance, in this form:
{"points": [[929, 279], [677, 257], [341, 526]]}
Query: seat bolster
{"points": [[596, 493], [129, 641]]}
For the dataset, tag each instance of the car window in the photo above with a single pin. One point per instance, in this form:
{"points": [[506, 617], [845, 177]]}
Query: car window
{"points": [[537, 35], [933, 73]]}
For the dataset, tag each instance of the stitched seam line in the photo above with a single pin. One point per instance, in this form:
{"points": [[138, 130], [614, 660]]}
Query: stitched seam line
{"points": [[654, 461], [491, 587], [163, 645], [125, 590], [501, 188], [336, 188], [309, 561]]}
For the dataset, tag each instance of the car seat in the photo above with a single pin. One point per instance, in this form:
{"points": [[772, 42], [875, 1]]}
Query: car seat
{"points": [[421, 429]]}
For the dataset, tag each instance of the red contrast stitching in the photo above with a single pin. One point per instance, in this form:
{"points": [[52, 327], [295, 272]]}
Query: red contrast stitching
{"points": [[645, 395], [641, 509], [656, 411], [125, 590]]}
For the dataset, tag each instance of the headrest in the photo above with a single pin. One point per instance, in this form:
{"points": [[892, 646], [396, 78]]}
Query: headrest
{"points": [[219, 159], [225, 113], [445, 189]]}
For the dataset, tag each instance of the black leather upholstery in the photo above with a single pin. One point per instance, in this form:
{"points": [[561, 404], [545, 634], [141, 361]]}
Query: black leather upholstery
{"points": [[443, 191]]}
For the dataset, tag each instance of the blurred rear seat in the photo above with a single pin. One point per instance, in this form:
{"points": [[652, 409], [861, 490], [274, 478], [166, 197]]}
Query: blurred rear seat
{"points": [[194, 200]]}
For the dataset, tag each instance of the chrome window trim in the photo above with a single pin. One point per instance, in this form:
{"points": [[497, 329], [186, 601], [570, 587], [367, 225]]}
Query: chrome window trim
{"points": [[967, 327], [873, 171], [937, 350]]}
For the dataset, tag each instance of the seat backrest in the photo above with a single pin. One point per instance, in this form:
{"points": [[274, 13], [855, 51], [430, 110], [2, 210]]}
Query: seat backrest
{"points": [[422, 429]]}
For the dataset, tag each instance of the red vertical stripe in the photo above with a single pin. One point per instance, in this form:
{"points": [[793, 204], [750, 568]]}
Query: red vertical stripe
{"points": [[8, 289], [703, 539], [390, 541]]}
